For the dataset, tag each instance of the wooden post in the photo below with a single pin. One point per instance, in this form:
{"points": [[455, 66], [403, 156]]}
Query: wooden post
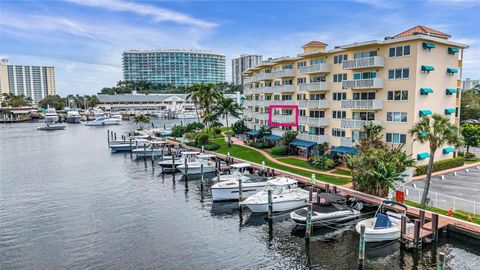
{"points": [[441, 261], [115, 136], [270, 204], [186, 166], [130, 147], [108, 137], [403, 229], [334, 189], [174, 169], [435, 227], [327, 188], [201, 172], [240, 190], [308, 228], [111, 135], [416, 233], [422, 217], [145, 152], [153, 156], [273, 172], [310, 194], [361, 246]]}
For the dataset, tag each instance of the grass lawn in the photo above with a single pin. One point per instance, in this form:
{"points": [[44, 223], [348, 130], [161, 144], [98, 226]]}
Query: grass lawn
{"points": [[472, 161], [238, 151], [342, 172], [298, 162], [456, 214]]}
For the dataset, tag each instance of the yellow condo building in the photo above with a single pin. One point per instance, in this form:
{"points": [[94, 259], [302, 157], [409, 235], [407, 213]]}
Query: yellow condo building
{"points": [[327, 95]]}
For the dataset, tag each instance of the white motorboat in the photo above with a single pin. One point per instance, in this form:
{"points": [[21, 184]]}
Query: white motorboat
{"points": [[73, 117], [229, 189], [53, 126], [155, 149], [51, 115], [286, 195], [385, 226], [195, 163], [173, 163], [238, 170], [332, 210], [103, 121], [126, 146]]}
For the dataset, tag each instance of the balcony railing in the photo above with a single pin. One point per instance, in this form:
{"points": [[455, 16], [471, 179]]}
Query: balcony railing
{"points": [[356, 124], [258, 77], [374, 83], [283, 73], [282, 102], [283, 88], [279, 118], [320, 68], [367, 62], [312, 121], [261, 116], [277, 132], [374, 104], [314, 104], [313, 138], [315, 86], [348, 142]]}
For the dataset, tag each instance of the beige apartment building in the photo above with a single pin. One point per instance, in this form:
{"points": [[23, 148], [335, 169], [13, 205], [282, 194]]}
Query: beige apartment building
{"points": [[391, 82]]}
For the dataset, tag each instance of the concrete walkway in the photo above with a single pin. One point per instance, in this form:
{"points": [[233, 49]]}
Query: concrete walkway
{"points": [[466, 166]]}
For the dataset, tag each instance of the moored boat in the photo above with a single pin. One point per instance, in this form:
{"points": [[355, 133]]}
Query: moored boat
{"points": [[50, 127], [103, 121], [198, 164]]}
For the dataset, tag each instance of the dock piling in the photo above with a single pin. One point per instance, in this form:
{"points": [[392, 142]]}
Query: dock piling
{"points": [[422, 217], [334, 189], [240, 191], [403, 229], [108, 137], [145, 152], [131, 156], [327, 188], [186, 168], [416, 233], [270, 204], [441, 261], [361, 246], [308, 229], [435, 227], [310, 194], [201, 172]]}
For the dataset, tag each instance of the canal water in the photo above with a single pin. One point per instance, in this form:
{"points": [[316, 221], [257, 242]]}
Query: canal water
{"points": [[67, 202]]}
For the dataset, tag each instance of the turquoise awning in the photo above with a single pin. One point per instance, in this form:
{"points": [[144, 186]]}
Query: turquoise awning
{"points": [[253, 133], [428, 46], [425, 113], [344, 149], [424, 134], [303, 143], [449, 111], [428, 68], [452, 70], [453, 50], [447, 150], [273, 138], [451, 91], [423, 155], [426, 91]]}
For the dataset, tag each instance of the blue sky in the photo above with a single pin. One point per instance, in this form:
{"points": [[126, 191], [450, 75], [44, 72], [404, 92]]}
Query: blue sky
{"points": [[84, 39]]}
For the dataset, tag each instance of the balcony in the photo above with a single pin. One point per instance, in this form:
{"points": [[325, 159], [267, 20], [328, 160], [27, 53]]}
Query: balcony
{"points": [[277, 132], [282, 102], [314, 138], [356, 124], [312, 121], [267, 90], [280, 118], [375, 83], [315, 86], [348, 142], [367, 62], [314, 104], [283, 73], [283, 88], [374, 104], [250, 124], [261, 116], [320, 68], [264, 76]]}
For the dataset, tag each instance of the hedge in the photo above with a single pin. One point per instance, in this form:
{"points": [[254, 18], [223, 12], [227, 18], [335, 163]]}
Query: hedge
{"points": [[211, 147], [441, 165], [279, 150]]}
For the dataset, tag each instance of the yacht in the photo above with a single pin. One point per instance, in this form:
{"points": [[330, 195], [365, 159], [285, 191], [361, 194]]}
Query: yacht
{"points": [[385, 225], [229, 189], [51, 115], [103, 121], [332, 210], [73, 117], [155, 149], [194, 164], [173, 163], [286, 195], [126, 146]]}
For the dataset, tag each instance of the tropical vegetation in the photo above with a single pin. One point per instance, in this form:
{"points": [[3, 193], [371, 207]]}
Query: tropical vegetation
{"points": [[52, 101], [470, 106], [323, 162], [142, 120], [10, 100], [239, 127], [471, 135]]}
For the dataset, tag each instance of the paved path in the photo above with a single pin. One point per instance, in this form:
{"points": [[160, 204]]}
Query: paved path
{"points": [[466, 166]]}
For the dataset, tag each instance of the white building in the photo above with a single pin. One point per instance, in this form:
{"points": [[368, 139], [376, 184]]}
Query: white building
{"points": [[469, 83], [244, 62]]}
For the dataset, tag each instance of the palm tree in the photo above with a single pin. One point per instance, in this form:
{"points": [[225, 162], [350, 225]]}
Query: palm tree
{"points": [[437, 131], [142, 119], [372, 137], [264, 131], [209, 118], [225, 107], [194, 93]]}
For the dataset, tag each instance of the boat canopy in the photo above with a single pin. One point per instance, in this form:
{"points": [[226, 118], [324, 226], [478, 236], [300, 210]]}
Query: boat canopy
{"points": [[241, 165], [332, 197]]}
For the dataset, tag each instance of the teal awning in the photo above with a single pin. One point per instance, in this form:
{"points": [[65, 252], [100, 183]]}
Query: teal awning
{"points": [[273, 138], [426, 91], [447, 150], [424, 134], [425, 113], [428, 46], [449, 111], [253, 133], [428, 68], [423, 155], [303, 143], [453, 50], [452, 70], [344, 149], [451, 91]]}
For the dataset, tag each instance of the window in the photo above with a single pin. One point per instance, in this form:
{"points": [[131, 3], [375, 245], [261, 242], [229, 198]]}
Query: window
{"points": [[301, 80], [301, 64], [365, 116], [286, 97], [364, 96], [301, 97], [397, 117], [287, 82], [338, 59], [301, 113], [317, 131], [399, 51], [398, 73], [276, 83], [396, 138], [364, 75], [338, 132], [317, 96], [287, 66], [397, 95], [317, 114], [364, 54], [318, 61], [318, 79], [339, 114], [339, 96], [339, 77]]}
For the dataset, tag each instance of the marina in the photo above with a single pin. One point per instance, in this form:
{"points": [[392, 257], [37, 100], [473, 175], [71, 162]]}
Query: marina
{"points": [[71, 212]]}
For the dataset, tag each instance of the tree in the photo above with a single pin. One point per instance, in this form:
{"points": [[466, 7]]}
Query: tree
{"points": [[470, 106], [225, 107], [264, 131], [471, 135], [209, 119], [10, 100], [436, 131], [288, 137], [142, 120], [239, 127], [372, 137], [54, 101]]}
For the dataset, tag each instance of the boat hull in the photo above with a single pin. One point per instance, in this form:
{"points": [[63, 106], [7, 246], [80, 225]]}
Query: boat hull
{"points": [[73, 120], [148, 153], [51, 128], [277, 206], [327, 220], [196, 169], [228, 194], [380, 235]]}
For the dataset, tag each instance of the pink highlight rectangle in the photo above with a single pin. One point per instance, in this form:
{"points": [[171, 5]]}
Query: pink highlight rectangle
{"points": [[270, 112]]}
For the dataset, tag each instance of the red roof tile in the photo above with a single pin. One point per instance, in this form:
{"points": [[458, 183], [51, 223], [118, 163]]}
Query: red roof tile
{"points": [[424, 30], [314, 43]]}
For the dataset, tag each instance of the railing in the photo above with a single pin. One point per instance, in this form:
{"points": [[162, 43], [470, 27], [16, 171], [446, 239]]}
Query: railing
{"points": [[374, 104], [283, 73], [283, 102], [261, 116], [356, 124], [267, 89], [312, 121], [315, 86], [363, 83], [258, 77], [315, 104], [283, 88], [313, 138], [348, 142], [277, 132], [279, 118], [319, 68], [367, 62]]}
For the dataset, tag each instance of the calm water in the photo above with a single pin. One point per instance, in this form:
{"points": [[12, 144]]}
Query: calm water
{"points": [[66, 202]]}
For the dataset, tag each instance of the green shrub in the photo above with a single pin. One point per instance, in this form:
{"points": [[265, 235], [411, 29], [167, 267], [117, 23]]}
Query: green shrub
{"points": [[258, 145], [441, 165], [323, 162], [201, 139], [192, 144], [178, 131], [211, 147], [470, 156], [190, 136], [329, 164], [217, 130], [194, 126], [239, 127], [280, 150]]}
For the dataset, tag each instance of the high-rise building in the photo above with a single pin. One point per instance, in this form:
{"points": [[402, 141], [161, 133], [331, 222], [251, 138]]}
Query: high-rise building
{"points": [[173, 67], [244, 62], [35, 82], [328, 95], [469, 83]]}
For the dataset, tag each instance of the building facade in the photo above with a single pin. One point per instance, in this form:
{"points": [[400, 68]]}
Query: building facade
{"points": [[173, 67], [469, 83], [328, 95], [35, 82], [244, 62]]}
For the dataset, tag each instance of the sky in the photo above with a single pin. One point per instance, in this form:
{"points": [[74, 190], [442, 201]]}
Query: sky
{"points": [[84, 39]]}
